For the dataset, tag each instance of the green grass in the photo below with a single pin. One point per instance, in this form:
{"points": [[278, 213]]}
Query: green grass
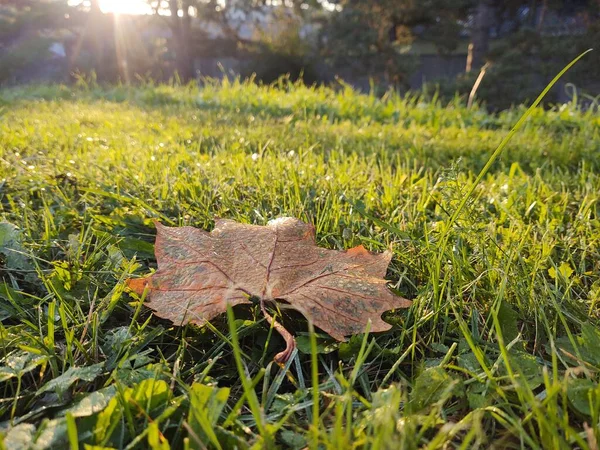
{"points": [[500, 348]]}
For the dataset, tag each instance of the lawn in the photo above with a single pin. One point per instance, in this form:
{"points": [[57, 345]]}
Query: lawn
{"points": [[500, 347]]}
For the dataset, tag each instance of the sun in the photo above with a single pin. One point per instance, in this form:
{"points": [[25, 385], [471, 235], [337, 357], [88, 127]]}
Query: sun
{"points": [[125, 6]]}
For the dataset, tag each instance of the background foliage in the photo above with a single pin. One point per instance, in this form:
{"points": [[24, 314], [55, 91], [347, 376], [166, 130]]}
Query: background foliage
{"points": [[369, 44]]}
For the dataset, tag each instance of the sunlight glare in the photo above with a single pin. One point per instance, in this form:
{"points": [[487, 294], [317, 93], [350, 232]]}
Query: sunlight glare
{"points": [[125, 6]]}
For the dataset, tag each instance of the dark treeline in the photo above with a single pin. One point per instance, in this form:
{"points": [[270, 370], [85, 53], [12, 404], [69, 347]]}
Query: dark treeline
{"points": [[519, 44]]}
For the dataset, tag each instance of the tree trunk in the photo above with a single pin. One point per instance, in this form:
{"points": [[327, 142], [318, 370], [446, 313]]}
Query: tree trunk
{"points": [[96, 38], [180, 27], [480, 36], [532, 15], [186, 35], [540, 23]]}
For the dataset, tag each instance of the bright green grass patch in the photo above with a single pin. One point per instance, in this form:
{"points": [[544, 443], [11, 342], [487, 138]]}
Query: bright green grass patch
{"points": [[500, 347]]}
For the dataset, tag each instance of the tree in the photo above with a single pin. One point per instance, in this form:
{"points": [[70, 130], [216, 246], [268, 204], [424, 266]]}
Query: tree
{"points": [[27, 29], [513, 16], [373, 36], [181, 29], [533, 41], [96, 37], [188, 21], [480, 35]]}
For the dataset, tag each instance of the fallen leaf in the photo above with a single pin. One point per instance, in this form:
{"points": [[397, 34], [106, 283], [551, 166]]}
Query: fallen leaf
{"points": [[199, 273]]}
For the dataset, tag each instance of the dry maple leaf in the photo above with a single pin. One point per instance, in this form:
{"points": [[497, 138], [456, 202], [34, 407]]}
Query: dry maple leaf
{"points": [[199, 273]]}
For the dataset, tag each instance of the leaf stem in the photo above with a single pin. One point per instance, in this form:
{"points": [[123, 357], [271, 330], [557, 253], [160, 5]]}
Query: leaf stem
{"points": [[290, 342]]}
